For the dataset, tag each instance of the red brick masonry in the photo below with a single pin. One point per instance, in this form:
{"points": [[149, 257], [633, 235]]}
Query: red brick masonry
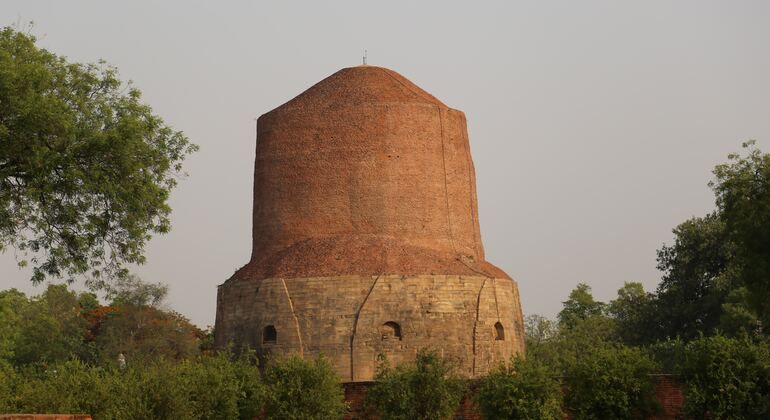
{"points": [[667, 391]]}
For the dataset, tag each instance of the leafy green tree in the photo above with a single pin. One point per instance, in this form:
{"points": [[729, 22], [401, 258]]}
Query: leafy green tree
{"points": [[85, 168], [424, 390], [51, 328], [697, 277], [8, 383], [220, 388], [12, 307], [303, 389], [742, 188], [144, 332], [633, 312], [136, 326], [726, 378], [131, 290], [611, 382], [579, 306], [525, 389], [540, 334]]}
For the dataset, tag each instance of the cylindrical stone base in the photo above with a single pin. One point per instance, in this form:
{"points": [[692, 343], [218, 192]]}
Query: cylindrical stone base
{"points": [[474, 321]]}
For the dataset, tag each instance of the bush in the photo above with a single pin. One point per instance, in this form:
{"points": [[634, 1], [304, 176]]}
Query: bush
{"points": [[424, 390], [611, 382], [523, 390], [303, 389], [206, 388], [68, 387], [8, 380], [726, 378], [217, 387]]}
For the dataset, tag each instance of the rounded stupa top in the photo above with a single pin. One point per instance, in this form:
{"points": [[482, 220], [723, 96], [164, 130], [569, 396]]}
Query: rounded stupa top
{"points": [[364, 173], [360, 84]]}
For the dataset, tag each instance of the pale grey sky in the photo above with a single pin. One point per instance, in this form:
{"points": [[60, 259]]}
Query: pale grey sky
{"points": [[594, 125]]}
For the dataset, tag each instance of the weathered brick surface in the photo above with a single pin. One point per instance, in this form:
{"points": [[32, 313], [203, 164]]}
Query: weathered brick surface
{"points": [[344, 318], [670, 395], [366, 226]]}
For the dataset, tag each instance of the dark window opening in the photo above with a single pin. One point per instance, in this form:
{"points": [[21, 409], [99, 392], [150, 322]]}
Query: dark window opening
{"points": [[269, 335], [500, 331], [391, 330]]}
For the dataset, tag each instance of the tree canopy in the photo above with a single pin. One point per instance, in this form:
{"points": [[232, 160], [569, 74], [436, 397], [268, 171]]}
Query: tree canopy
{"points": [[86, 168]]}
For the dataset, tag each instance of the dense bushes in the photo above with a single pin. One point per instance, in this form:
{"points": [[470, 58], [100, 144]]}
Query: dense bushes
{"points": [[424, 390], [523, 390], [211, 387], [208, 387], [303, 389], [726, 378], [611, 382]]}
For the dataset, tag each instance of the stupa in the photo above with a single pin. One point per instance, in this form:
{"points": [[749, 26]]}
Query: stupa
{"points": [[366, 235]]}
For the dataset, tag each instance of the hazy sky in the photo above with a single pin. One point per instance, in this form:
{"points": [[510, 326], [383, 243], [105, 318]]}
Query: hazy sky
{"points": [[594, 125]]}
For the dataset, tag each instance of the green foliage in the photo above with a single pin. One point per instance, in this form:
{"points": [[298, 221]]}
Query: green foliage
{"points": [[85, 168], [632, 311], [303, 389], [131, 290], [207, 388], [697, 277], [143, 333], [53, 318], [611, 382], [540, 335], [742, 188], [579, 306], [726, 378], [218, 388], [8, 383], [524, 390], [12, 305], [424, 390]]}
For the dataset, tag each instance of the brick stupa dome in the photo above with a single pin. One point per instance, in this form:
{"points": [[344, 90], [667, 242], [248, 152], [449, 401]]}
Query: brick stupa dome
{"points": [[362, 182], [364, 173]]}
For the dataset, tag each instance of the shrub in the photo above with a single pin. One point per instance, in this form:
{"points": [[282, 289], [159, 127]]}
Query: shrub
{"points": [[303, 389], [8, 381], [611, 381], [217, 387], [68, 387], [523, 390], [726, 378], [424, 390]]}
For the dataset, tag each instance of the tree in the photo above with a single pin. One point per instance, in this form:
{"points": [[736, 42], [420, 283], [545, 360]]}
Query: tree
{"points": [[303, 389], [141, 333], [131, 290], [85, 168], [424, 390], [540, 334], [12, 306], [742, 188], [51, 328], [726, 378], [698, 274], [611, 382], [523, 390], [633, 311], [580, 305]]}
